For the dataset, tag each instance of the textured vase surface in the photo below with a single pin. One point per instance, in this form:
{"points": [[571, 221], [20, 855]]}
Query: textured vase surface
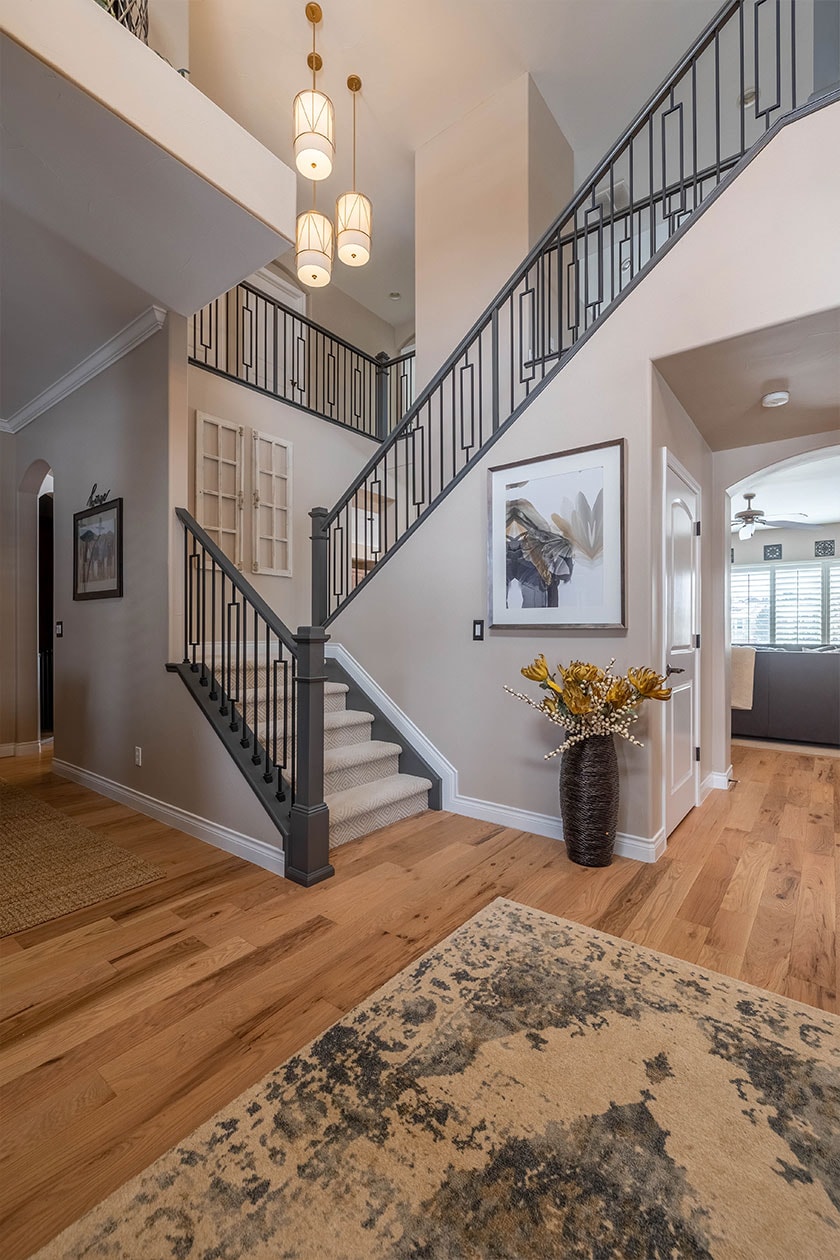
{"points": [[589, 800]]}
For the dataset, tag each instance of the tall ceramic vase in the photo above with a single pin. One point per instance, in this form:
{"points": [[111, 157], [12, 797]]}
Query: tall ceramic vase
{"points": [[589, 800]]}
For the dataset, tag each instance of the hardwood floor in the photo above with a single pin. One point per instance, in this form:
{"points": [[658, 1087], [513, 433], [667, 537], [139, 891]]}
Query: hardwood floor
{"points": [[127, 1024]]}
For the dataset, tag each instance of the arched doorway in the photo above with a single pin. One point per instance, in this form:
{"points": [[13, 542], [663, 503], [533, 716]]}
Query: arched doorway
{"points": [[782, 608]]}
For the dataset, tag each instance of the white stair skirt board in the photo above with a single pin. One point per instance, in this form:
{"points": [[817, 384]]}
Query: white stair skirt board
{"points": [[641, 848], [246, 847]]}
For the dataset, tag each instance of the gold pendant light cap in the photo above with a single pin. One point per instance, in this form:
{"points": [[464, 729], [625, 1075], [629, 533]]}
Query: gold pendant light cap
{"points": [[314, 61], [313, 13], [354, 82]]}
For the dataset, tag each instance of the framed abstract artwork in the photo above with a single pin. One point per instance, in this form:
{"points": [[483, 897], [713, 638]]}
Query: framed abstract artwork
{"points": [[98, 552], [556, 545]]}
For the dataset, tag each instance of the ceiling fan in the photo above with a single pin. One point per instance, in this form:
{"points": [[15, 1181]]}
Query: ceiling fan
{"points": [[747, 520]]}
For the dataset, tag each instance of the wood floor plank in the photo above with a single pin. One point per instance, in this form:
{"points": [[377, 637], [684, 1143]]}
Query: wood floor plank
{"points": [[131, 1022]]}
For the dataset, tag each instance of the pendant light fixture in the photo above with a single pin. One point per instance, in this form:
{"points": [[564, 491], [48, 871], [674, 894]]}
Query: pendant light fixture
{"points": [[314, 245], [353, 211], [314, 117]]}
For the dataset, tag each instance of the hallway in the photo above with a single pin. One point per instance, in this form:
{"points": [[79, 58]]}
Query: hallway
{"points": [[127, 1024]]}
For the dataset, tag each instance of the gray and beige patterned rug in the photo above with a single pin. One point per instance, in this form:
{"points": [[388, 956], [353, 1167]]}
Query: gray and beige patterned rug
{"points": [[52, 865], [530, 1088]]}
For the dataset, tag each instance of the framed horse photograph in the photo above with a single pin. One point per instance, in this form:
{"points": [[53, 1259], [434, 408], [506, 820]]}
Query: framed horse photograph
{"points": [[98, 551], [556, 545]]}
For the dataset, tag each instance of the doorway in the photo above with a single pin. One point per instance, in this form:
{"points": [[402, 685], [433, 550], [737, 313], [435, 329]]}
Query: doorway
{"points": [[681, 638]]}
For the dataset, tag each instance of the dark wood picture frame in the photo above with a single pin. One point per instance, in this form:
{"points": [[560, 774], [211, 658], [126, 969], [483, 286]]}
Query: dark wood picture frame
{"points": [[602, 463], [98, 551]]}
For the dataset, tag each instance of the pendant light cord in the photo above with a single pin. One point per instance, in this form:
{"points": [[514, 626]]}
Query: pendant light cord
{"points": [[354, 142]]}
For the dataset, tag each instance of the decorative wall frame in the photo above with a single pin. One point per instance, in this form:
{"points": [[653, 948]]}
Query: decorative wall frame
{"points": [[556, 541], [98, 551], [772, 551], [824, 547]]}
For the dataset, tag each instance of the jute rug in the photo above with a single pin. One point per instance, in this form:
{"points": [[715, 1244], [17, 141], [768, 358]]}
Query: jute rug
{"points": [[52, 865], [530, 1088]]}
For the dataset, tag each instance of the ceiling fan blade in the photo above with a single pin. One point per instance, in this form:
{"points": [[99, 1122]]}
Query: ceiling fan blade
{"points": [[779, 524]]}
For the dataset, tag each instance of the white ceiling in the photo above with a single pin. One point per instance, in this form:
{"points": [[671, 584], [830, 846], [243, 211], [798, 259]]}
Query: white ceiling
{"points": [[721, 385], [423, 66], [810, 486]]}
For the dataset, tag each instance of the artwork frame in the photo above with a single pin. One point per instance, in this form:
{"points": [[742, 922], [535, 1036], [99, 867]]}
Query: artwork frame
{"points": [[532, 562], [88, 525]]}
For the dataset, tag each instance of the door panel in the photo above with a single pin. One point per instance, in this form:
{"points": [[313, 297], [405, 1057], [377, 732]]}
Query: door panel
{"points": [[681, 621]]}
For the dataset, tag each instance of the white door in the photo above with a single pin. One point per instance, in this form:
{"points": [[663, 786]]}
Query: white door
{"points": [[681, 591]]}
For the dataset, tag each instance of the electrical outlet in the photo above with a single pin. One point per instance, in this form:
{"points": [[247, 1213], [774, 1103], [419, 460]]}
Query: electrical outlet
{"points": [[138, 755]]}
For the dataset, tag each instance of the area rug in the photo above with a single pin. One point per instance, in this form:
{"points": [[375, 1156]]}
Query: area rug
{"points": [[530, 1088], [51, 865]]}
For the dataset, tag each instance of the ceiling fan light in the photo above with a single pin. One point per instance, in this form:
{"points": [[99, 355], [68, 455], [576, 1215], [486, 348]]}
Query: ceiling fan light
{"points": [[746, 531], [353, 219], [314, 119], [314, 246]]}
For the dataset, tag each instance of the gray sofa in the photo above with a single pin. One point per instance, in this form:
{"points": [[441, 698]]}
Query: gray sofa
{"points": [[796, 697]]}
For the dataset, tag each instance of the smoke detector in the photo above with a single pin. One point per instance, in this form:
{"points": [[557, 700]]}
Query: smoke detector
{"points": [[778, 398]]}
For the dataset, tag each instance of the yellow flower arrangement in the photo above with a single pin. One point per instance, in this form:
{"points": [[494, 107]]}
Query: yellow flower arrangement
{"points": [[589, 700]]}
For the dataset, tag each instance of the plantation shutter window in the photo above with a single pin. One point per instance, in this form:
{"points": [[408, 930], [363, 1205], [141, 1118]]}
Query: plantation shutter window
{"points": [[799, 604], [834, 603], [219, 473], [272, 505], [750, 602]]}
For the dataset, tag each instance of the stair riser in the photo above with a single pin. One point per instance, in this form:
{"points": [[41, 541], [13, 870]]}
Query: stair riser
{"points": [[366, 772], [344, 735], [363, 824]]}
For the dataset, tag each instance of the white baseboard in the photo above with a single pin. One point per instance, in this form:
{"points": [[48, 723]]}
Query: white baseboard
{"points": [[251, 850], [7, 750], [29, 748], [640, 848], [716, 781]]}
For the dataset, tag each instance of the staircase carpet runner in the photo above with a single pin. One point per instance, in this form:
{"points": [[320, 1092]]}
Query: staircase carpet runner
{"points": [[52, 865], [363, 786], [529, 1088]]}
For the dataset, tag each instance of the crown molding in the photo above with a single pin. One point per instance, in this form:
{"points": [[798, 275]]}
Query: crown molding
{"points": [[122, 343], [5, 427]]}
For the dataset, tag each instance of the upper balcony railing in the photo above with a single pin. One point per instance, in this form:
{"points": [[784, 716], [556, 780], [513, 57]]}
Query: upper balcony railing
{"points": [[256, 340], [752, 66]]}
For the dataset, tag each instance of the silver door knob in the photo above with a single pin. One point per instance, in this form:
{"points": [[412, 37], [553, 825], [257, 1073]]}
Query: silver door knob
{"points": [[669, 670]]}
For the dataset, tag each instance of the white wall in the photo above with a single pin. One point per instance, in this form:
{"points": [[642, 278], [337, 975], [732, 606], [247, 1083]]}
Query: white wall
{"points": [[796, 544], [418, 610], [485, 187], [111, 688]]}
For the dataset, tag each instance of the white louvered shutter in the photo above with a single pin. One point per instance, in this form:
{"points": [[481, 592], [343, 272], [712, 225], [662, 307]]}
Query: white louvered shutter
{"points": [[750, 605]]}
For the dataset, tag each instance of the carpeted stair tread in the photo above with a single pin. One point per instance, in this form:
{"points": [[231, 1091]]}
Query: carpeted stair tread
{"points": [[369, 797], [350, 755]]}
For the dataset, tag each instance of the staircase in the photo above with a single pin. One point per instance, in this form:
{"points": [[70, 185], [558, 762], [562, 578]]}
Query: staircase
{"points": [[311, 761], [748, 74], [363, 787]]}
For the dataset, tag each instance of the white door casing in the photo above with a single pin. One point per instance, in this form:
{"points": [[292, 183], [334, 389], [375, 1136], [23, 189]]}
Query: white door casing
{"points": [[681, 625]]}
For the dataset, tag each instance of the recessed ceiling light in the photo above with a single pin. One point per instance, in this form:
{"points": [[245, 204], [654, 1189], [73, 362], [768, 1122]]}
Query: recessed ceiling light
{"points": [[395, 297], [749, 98], [777, 399]]}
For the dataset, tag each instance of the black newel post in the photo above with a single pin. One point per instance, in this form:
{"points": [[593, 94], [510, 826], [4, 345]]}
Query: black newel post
{"points": [[383, 377], [320, 544], [308, 850]]}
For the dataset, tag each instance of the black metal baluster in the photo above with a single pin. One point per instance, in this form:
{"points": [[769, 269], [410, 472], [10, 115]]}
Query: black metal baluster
{"points": [[256, 756], [270, 733], [214, 693], [243, 687]]}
